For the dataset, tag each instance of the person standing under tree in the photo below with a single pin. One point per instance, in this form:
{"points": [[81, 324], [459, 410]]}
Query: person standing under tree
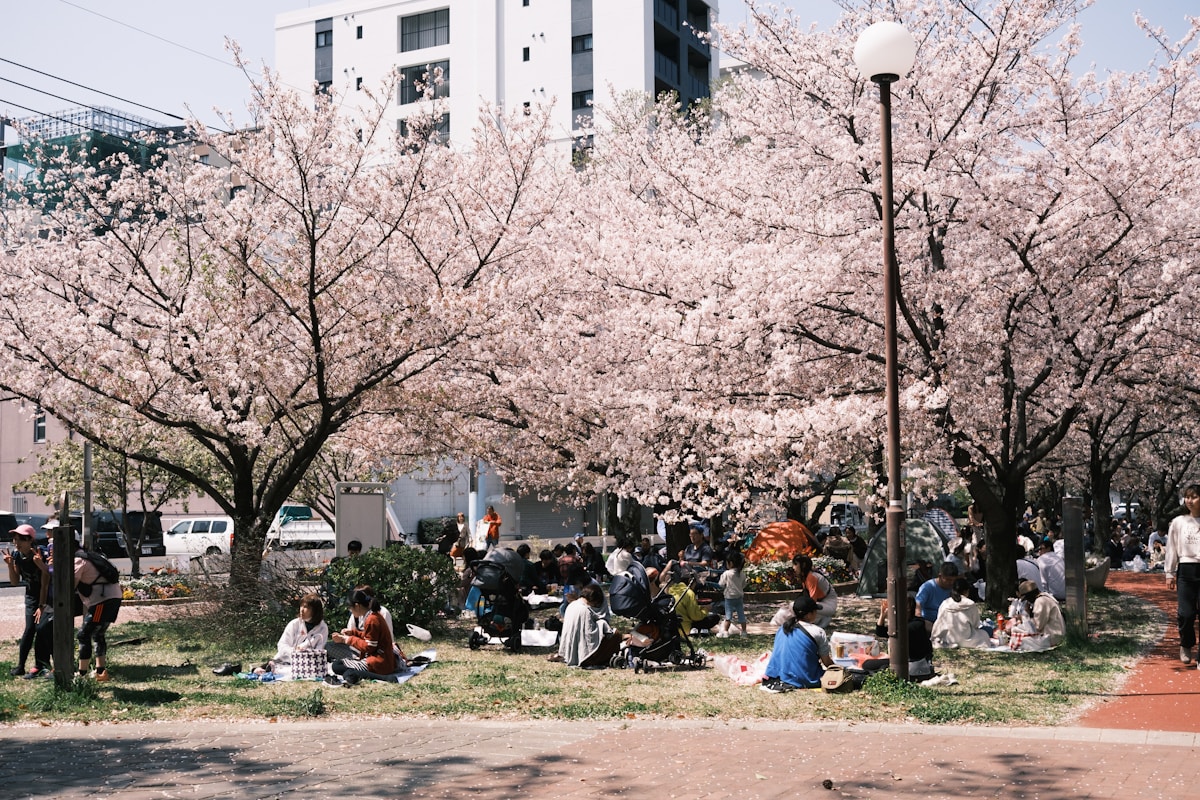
{"points": [[493, 527], [25, 565], [101, 603], [1182, 569]]}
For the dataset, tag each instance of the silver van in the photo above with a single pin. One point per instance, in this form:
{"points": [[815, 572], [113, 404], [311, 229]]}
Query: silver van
{"points": [[199, 536]]}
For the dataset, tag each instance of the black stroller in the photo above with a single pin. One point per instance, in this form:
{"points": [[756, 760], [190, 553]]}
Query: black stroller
{"points": [[657, 637], [501, 611]]}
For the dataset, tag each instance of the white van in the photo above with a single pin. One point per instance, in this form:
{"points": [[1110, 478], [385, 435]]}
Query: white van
{"points": [[199, 536]]}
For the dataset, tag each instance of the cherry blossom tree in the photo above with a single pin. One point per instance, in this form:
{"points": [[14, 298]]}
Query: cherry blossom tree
{"points": [[712, 325], [331, 271]]}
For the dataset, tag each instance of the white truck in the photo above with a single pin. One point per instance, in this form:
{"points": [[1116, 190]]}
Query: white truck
{"points": [[296, 528]]}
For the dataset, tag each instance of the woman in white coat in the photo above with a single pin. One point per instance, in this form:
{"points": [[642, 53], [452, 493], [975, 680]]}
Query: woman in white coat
{"points": [[957, 622]]}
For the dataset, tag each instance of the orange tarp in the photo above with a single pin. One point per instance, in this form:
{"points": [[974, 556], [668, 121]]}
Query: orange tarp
{"points": [[782, 540]]}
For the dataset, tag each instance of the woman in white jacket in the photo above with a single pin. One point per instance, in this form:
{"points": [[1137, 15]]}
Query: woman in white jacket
{"points": [[307, 631], [957, 622]]}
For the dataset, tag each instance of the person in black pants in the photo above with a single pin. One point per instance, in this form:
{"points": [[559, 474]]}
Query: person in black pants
{"points": [[1182, 568], [920, 648], [27, 565]]}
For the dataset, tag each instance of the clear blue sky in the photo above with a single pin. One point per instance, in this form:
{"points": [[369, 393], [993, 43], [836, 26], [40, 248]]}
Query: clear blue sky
{"points": [[169, 54]]}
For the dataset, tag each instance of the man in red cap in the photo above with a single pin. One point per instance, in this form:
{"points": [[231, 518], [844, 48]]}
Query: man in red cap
{"points": [[27, 565]]}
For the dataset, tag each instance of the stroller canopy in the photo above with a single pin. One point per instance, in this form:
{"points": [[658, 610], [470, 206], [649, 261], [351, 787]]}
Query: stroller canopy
{"points": [[629, 592], [509, 559]]}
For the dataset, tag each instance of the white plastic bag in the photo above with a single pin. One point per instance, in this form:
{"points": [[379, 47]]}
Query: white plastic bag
{"points": [[1138, 564], [741, 672], [420, 633]]}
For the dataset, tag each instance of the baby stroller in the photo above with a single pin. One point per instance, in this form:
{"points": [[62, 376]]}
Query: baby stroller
{"points": [[657, 637], [501, 611]]}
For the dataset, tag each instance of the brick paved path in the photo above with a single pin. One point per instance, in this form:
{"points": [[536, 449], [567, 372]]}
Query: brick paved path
{"points": [[568, 760], [1160, 693]]}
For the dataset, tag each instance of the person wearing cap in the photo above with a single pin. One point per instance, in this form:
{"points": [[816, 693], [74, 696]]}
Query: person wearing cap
{"points": [[27, 565], [801, 651], [1049, 628]]}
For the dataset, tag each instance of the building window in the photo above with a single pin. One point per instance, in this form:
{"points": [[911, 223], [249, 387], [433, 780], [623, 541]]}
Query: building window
{"points": [[39, 427], [581, 100], [324, 38], [425, 30], [581, 44], [525, 3], [358, 84], [416, 78], [528, 108], [358, 32], [325, 87], [524, 53]]}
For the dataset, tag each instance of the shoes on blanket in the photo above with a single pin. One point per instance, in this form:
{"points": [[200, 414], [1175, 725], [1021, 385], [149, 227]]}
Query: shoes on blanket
{"points": [[227, 669], [775, 686]]}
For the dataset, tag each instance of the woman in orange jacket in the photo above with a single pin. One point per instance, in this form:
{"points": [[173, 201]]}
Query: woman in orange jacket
{"points": [[377, 659]]}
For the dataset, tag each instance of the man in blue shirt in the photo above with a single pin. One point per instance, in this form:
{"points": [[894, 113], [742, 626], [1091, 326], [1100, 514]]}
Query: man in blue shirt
{"points": [[934, 591]]}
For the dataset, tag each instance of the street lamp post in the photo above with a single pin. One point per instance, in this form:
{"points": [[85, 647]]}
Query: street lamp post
{"points": [[883, 53]]}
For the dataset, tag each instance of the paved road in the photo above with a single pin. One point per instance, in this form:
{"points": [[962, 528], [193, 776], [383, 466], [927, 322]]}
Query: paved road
{"points": [[568, 760]]}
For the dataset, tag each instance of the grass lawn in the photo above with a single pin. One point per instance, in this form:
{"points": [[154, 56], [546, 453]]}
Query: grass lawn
{"points": [[162, 670]]}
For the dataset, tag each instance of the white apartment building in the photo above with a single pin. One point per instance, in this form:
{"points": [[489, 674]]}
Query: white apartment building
{"points": [[508, 53], [512, 54]]}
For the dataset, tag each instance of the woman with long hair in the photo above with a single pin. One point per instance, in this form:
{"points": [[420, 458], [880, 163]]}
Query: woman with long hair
{"points": [[377, 658]]}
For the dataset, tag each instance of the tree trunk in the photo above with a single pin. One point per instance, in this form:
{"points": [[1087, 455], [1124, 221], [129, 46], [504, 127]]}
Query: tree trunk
{"points": [[1101, 507], [1001, 507], [246, 554]]}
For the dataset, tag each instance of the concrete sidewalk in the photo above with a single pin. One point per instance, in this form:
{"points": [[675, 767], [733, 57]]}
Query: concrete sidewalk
{"points": [[365, 758]]}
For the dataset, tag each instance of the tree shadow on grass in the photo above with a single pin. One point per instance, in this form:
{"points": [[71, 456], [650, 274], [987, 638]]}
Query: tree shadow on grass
{"points": [[145, 697], [144, 673]]}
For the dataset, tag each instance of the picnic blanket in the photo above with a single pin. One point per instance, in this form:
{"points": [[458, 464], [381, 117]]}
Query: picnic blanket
{"points": [[530, 638], [283, 672]]}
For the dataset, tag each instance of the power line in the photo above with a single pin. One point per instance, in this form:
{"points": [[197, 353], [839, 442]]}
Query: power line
{"points": [[81, 86], [151, 35], [108, 111]]}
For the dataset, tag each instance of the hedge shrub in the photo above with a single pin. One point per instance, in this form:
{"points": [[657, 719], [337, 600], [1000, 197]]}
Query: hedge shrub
{"points": [[413, 582]]}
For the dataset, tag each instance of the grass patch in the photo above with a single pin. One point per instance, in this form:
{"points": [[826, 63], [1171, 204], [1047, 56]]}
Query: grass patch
{"points": [[163, 671]]}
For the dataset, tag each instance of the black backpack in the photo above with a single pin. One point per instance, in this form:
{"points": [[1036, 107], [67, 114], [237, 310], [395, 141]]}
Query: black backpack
{"points": [[108, 571]]}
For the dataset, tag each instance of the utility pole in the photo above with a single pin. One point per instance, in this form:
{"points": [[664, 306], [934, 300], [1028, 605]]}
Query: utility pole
{"points": [[64, 587]]}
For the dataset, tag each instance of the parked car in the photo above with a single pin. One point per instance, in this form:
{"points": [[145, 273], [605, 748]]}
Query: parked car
{"points": [[8, 521], [110, 536], [200, 536]]}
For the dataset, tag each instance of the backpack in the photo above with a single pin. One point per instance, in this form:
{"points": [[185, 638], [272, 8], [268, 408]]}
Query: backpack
{"points": [[108, 571]]}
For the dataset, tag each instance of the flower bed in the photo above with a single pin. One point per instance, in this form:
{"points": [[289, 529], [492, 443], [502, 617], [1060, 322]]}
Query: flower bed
{"points": [[161, 586], [773, 576]]}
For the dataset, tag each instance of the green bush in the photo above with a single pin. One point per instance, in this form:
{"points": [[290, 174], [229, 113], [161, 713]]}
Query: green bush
{"points": [[430, 529], [414, 583]]}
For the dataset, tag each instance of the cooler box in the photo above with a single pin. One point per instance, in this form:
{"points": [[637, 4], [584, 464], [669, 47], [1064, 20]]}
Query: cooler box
{"points": [[844, 646]]}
